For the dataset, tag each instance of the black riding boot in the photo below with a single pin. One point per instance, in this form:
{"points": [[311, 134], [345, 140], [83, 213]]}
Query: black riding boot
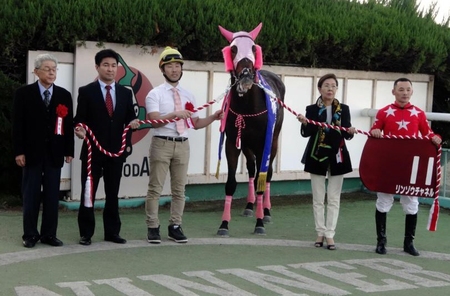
{"points": [[410, 232], [380, 219]]}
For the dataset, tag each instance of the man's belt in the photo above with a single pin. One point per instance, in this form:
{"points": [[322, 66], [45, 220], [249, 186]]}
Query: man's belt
{"points": [[177, 139]]}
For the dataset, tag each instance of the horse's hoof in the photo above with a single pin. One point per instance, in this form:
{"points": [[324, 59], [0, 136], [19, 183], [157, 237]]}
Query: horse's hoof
{"points": [[222, 232], [247, 213], [267, 219], [260, 230]]}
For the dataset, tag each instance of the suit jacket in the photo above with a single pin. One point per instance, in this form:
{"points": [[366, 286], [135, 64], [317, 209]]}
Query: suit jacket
{"points": [[91, 110], [320, 160], [34, 126]]}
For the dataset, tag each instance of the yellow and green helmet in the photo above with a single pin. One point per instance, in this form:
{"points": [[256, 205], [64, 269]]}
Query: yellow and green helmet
{"points": [[170, 55]]}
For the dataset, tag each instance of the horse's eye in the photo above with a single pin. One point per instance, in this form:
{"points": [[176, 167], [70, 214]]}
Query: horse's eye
{"points": [[234, 49], [253, 48]]}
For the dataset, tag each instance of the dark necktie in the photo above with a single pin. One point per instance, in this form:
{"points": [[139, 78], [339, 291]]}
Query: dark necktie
{"points": [[108, 101], [46, 98]]}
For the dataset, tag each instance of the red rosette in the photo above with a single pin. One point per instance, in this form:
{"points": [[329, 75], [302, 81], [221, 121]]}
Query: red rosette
{"points": [[62, 111], [190, 107]]}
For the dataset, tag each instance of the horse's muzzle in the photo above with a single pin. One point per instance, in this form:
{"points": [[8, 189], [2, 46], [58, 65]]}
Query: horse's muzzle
{"points": [[245, 81]]}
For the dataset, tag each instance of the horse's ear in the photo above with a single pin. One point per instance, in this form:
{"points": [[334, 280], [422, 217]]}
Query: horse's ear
{"points": [[254, 33], [227, 34], [226, 52], [258, 57]]}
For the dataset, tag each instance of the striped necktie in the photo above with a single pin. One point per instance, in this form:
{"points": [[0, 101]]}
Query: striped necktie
{"points": [[177, 101], [46, 98]]}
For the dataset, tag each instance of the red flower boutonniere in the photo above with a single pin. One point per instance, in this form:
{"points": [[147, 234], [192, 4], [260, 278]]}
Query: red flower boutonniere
{"points": [[61, 112], [190, 107]]}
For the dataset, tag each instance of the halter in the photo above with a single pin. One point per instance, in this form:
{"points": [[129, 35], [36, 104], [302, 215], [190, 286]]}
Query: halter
{"points": [[246, 72], [245, 75]]}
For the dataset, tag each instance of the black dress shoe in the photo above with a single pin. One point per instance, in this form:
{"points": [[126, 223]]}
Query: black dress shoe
{"points": [[30, 242], [115, 239], [52, 241], [85, 241]]}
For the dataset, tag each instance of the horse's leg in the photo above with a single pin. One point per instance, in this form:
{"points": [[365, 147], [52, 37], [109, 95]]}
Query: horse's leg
{"points": [[250, 157], [273, 153], [232, 154], [267, 205], [259, 227]]}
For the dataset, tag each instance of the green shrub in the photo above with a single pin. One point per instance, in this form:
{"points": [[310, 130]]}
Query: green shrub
{"points": [[10, 172]]}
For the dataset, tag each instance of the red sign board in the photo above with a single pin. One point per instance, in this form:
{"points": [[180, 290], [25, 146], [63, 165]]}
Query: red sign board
{"points": [[399, 166]]}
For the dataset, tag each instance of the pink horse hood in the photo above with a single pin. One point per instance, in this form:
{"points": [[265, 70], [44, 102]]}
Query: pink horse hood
{"points": [[244, 41], [230, 35]]}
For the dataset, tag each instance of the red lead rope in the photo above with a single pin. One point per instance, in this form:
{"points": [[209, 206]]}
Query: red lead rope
{"points": [[88, 194], [434, 210]]}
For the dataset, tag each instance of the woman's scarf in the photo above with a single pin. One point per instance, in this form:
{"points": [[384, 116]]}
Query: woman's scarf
{"points": [[320, 150]]}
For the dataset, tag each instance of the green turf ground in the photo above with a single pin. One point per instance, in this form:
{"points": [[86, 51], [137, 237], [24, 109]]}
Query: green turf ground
{"points": [[283, 262]]}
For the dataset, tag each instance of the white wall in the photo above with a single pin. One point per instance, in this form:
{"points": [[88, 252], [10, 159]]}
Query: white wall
{"points": [[208, 82]]}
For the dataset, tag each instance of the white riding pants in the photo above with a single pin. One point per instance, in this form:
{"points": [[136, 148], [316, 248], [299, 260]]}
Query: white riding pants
{"points": [[385, 201]]}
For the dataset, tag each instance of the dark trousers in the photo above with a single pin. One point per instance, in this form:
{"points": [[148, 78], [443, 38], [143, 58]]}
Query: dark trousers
{"points": [[32, 179], [111, 171]]}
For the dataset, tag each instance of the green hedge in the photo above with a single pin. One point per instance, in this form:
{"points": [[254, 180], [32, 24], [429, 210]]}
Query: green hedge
{"points": [[308, 33], [379, 35], [10, 172]]}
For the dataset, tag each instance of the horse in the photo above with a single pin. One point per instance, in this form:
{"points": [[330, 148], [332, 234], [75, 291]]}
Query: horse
{"points": [[252, 123]]}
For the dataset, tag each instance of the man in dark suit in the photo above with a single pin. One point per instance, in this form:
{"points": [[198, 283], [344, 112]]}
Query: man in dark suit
{"points": [[42, 138], [106, 108]]}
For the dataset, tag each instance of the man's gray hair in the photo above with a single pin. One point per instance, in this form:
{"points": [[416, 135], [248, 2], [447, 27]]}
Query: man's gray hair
{"points": [[44, 57]]}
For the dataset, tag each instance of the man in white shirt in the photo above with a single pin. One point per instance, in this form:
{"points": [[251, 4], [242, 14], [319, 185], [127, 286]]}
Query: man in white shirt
{"points": [[170, 146]]}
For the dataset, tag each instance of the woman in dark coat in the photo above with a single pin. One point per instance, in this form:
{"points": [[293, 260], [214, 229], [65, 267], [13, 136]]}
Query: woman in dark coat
{"points": [[326, 154]]}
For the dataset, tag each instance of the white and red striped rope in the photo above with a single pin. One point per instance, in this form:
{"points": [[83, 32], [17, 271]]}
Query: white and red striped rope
{"points": [[89, 190], [434, 210], [127, 128]]}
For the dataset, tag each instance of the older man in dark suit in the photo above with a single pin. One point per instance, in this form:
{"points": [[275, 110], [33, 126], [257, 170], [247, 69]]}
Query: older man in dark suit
{"points": [[42, 137], [106, 108]]}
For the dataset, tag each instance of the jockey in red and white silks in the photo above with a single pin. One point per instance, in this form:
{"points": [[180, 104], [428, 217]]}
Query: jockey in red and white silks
{"points": [[400, 119], [408, 120]]}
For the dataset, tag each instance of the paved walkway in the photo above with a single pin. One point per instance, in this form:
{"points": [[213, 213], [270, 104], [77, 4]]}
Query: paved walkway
{"points": [[283, 262]]}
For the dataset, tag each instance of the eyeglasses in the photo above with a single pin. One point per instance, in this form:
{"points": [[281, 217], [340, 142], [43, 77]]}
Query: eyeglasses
{"points": [[327, 86], [172, 57], [48, 70]]}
